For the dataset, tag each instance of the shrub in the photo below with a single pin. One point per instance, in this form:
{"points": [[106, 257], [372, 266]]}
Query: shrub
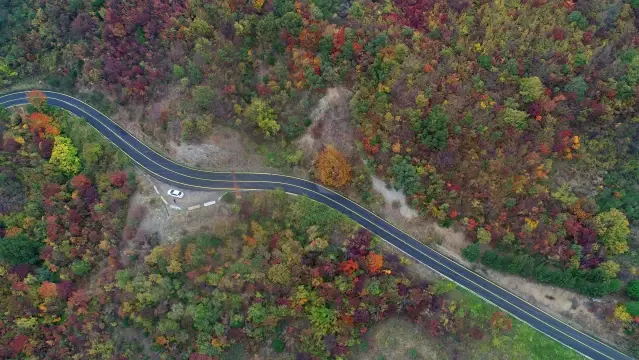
{"points": [[228, 197], [484, 61], [295, 126], [203, 97], [279, 345], [178, 71], [593, 283]]}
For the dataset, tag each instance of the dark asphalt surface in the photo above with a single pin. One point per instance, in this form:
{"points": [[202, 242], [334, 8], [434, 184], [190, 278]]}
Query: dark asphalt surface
{"points": [[185, 177]]}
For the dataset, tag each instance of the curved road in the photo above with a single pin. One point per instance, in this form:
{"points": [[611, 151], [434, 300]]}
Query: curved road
{"points": [[183, 176]]}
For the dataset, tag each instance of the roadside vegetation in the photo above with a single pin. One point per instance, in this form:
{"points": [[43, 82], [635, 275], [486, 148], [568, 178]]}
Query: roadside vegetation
{"points": [[63, 201]]}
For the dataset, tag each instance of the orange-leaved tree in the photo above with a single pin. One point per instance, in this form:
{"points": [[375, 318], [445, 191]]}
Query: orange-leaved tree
{"points": [[374, 262], [48, 290], [348, 266], [41, 125], [36, 98], [332, 167]]}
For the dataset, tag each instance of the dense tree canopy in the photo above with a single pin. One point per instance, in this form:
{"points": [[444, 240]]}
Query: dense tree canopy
{"points": [[513, 120]]}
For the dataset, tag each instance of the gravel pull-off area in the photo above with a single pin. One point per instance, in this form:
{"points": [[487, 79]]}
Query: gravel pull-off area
{"points": [[170, 225], [225, 150]]}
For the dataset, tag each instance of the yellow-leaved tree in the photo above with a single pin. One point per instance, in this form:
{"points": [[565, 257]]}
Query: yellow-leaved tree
{"points": [[332, 168], [613, 230], [65, 156]]}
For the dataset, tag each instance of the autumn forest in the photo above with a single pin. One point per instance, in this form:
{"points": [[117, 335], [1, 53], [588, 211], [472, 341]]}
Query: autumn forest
{"points": [[512, 122]]}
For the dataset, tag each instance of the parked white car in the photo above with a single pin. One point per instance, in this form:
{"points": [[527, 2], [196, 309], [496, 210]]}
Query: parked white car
{"points": [[175, 193]]}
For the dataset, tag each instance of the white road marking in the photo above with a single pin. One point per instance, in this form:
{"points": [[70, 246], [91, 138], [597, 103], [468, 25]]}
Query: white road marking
{"points": [[291, 193], [218, 199], [209, 203], [194, 207], [176, 207], [156, 190], [164, 200]]}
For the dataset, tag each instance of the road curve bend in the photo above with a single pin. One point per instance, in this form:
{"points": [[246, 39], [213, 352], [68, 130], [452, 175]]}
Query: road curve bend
{"points": [[171, 172]]}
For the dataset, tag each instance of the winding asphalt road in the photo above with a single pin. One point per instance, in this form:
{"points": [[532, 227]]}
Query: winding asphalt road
{"points": [[186, 177]]}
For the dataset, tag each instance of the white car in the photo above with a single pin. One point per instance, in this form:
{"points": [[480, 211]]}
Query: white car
{"points": [[175, 193]]}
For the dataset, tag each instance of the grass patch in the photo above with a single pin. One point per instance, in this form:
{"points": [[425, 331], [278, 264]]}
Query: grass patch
{"points": [[521, 342]]}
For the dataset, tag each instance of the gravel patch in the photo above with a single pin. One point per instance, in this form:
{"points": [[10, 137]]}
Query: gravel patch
{"points": [[391, 196]]}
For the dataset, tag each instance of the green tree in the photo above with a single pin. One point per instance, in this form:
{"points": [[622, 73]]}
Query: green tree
{"points": [[279, 345], [204, 125], [292, 22], [178, 71], [281, 7], [516, 118], [81, 267], [577, 85], [92, 153], [356, 10], [633, 308], [205, 314], [65, 156], [613, 230], [406, 176], [262, 115], [203, 96], [279, 274], [577, 18], [531, 88], [267, 29], [6, 74], [484, 61], [610, 268], [434, 130], [256, 313], [188, 129], [322, 320], [633, 289], [199, 28], [483, 236], [471, 252], [19, 250]]}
